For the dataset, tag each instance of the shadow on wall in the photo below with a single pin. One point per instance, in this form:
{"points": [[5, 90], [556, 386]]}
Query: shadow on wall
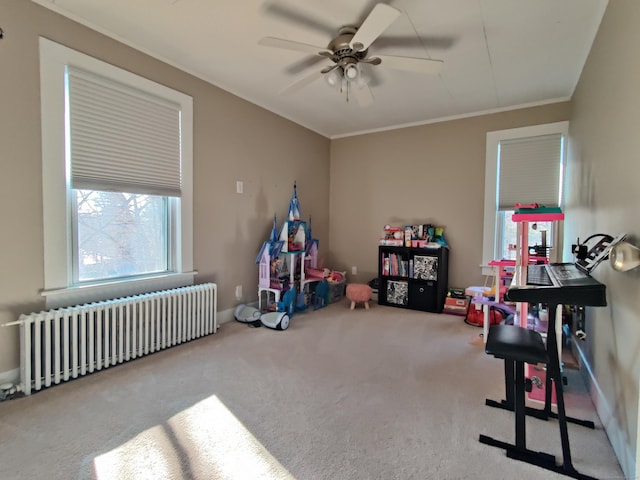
{"points": [[248, 235], [625, 394], [581, 185]]}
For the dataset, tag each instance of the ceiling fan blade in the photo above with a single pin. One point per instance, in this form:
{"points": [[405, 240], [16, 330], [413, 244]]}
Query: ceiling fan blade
{"points": [[329, 68], [301, 83], [303, 65], [306, 16], [412, 64], [363, 95], [295, 46], [377, 22], [371, 60], [416, 42]]}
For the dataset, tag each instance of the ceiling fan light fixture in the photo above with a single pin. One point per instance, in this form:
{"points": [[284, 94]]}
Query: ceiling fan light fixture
{"points": [[351, 72], [362, 80], [334, 77]]}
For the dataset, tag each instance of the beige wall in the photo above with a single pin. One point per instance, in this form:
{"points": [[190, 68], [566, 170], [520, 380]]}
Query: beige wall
{"points": [[426, 174], [604, 197], [233, 140], [352, 186]]}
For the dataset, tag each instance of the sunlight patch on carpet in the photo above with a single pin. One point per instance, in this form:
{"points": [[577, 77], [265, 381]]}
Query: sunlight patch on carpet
{"points": [[203, 441]]}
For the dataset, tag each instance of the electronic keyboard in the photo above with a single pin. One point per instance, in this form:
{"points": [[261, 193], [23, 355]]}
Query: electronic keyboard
{"points": [[556, 283]]}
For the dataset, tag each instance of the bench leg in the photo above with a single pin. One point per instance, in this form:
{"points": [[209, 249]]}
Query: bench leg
{"points": [[518, 389]]}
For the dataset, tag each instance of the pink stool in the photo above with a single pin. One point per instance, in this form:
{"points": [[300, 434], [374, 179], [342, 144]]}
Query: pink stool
{"points": [[359, 293]]}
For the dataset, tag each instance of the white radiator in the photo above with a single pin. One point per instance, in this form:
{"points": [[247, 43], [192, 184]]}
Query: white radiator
{"points": [[65, 343]]}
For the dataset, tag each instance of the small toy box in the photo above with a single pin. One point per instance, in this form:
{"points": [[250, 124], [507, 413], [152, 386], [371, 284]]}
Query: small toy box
{"points": [[456, 303], [456, 306]]}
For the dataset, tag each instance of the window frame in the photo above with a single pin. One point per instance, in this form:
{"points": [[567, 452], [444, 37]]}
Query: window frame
{"points": [[491, 212], [59, 289]]}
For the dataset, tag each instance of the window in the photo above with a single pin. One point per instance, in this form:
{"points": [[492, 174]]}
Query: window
{"points": [[117, 186], [523, 165], [118, 235], [507, 232]]}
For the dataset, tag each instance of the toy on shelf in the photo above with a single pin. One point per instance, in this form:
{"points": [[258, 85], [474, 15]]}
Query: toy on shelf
{"points": [[421, 236], [392, 237]]}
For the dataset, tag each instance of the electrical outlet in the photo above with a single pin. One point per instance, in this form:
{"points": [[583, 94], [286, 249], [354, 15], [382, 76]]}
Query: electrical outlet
{"points": [[238, 292], [354, 270], [239, 186]]}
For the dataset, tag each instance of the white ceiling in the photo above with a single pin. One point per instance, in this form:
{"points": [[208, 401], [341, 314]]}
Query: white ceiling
{"points": [[498, 54]]}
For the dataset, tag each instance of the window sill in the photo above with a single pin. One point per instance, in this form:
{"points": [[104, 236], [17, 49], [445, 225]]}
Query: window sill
{"points": [[64, 297]]}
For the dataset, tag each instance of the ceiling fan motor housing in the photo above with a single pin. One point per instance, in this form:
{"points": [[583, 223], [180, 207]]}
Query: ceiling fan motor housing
{"points": [[343, 54]]}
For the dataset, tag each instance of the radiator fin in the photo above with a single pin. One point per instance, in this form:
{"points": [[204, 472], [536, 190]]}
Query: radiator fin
{"points": [[65, 343]]}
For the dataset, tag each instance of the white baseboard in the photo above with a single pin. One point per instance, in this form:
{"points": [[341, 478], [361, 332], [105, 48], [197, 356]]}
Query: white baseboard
{"points": [[10, 376], [617, 437], [225, 316]]}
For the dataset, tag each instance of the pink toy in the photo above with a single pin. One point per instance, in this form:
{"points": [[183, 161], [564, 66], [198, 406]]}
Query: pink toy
{"points": [[315, 273], [359, 293]]}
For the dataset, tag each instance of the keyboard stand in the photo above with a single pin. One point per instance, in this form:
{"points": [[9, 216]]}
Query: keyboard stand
{"points": [[541, 413], [518, 450]]}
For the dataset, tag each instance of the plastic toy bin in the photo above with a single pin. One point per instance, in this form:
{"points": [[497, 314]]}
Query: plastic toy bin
{"points": [[336, 290]]}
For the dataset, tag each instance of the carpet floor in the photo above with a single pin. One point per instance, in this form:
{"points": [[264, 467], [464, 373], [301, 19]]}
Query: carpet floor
{"points": [[383, 393]]}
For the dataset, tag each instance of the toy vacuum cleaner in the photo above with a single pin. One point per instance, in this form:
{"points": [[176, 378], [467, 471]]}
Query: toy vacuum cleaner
{"points": [[275, 320]]}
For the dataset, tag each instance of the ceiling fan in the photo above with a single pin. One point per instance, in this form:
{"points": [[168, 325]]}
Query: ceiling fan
{"points": [[348, 50]]}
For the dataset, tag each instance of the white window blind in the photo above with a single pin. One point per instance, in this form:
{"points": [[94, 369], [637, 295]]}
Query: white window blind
{"points": [[120, 138], [530, 171]]}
